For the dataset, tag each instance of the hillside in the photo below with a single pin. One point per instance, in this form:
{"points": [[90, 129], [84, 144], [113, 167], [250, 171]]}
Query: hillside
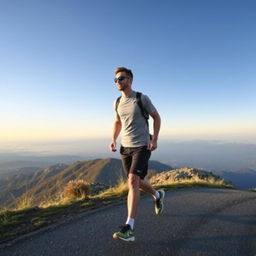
{"points": [[13, 187], [46, 184]]}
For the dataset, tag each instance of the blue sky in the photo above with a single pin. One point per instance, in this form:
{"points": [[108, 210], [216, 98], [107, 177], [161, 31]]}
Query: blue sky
{"points": [[196, 60]]}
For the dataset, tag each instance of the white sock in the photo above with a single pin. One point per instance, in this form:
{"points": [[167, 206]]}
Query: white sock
{"points": [[156, 195], [130, 221]]}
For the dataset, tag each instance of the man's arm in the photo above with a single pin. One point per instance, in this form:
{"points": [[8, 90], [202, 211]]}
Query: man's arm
{"points": [[116, 132], [156, 127]]}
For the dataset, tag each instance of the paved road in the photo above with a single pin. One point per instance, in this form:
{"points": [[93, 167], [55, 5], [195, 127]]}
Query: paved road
{"points": [[198, 221]]}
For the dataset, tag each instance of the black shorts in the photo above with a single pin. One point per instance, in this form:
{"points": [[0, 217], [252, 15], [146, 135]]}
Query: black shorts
{"points": [[135, 160]]}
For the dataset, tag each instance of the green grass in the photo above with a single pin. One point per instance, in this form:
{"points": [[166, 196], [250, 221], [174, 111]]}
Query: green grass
{"points": [[87, 204], [9, 235], [10, 219], [39, 222], [51, 210]]}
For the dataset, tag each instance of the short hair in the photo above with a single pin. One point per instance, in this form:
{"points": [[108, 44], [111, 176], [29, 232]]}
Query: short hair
{"points": [[123, 69]]}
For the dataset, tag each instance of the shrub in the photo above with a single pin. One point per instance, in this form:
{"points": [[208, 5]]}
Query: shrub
{"points": [[77, 189]]}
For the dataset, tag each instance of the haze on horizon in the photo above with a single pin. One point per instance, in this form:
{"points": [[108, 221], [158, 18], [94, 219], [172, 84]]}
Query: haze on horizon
{"points": [[98, 147], [202, 154]]}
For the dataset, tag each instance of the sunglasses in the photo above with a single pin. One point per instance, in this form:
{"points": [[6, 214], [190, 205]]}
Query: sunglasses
{"points": [[120, 78]]}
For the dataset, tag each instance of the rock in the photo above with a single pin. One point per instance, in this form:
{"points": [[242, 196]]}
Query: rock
{"points": [[183, 174]]}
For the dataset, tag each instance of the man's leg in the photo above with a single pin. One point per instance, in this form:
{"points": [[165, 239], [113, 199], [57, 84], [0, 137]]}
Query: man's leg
{"points": [[158, 195], [146, 187], [133, 194], [126, 232]]}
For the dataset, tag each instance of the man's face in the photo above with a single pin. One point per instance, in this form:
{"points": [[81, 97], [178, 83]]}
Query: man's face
{"points": [[122, 81]]}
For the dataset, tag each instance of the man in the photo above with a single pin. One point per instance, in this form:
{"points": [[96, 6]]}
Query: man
{"points": [[136, 146]]}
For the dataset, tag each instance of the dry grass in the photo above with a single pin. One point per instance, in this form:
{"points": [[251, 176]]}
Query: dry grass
{"points": [[24, 202], [77, 189], [119, 190], [209, 181], [193, 182], [57, 200]]}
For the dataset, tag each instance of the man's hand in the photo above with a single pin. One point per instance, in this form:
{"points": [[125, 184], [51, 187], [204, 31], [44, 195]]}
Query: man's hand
{"points": [[112, 146], [152, 145]]}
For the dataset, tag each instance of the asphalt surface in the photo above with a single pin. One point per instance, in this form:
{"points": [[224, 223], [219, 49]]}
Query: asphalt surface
{"points": [[197, 221]]}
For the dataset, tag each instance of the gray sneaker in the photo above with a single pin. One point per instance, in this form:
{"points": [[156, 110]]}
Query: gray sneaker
{"points": [[125, 234], [159, 203]]}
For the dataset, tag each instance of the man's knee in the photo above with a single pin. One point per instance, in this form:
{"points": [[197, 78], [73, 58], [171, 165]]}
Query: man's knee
{"points": [[133, 181]]}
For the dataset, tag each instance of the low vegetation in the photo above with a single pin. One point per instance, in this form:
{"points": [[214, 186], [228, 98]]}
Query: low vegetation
{"points": [[24, 202], [77, 198], [119, 190], [77, 189]]}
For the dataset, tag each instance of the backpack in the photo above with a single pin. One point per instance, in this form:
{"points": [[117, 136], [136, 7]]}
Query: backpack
{"points": [[139, 102]]}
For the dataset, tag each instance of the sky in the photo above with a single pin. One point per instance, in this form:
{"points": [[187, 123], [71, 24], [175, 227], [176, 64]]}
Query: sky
{"points": [[195, 59]]}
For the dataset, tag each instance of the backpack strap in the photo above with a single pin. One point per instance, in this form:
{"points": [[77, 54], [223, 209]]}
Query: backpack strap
{"points": [[117, 103], [139, 102]]}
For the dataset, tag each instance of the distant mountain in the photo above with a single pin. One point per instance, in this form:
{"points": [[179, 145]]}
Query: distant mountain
{"points": [[11, 164], [246, 171], [28, 170], [47, 183], [242, 178], [207, 155]]}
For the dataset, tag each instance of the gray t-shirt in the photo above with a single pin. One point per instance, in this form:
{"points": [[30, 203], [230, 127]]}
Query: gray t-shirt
{"points": [[135, 132]]}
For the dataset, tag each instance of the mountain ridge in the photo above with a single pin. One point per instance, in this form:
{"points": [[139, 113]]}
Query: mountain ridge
{"points": [[49, 182]]}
